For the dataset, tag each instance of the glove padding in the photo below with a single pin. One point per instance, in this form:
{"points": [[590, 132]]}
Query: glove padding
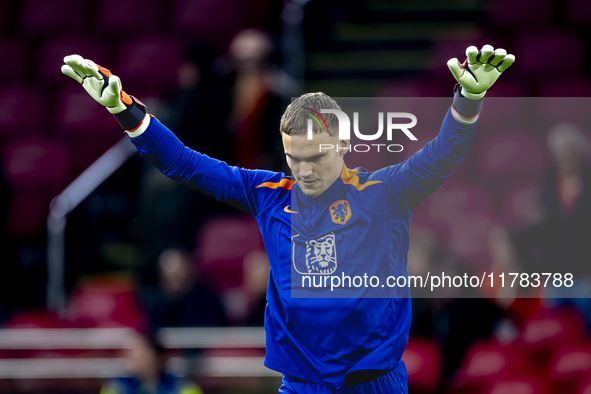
{"points": [[480, 70], [102, 86]]}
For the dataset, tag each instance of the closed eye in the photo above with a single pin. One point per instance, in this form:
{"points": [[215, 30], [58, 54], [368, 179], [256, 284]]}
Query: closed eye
{"points": [[313, 158]]}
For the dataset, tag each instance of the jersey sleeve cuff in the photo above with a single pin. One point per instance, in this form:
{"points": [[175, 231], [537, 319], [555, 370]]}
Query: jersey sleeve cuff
{"points": [[465, 110], [139, 130]]}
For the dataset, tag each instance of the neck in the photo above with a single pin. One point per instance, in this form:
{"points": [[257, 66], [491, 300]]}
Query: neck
{"points": [[335, 176], [338, 173]]}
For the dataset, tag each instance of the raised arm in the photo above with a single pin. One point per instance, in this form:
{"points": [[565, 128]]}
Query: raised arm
{"points": [[153, 140], [424, 172]]}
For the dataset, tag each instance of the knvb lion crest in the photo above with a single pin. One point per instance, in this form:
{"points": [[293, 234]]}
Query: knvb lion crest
{"points": [[319, 255], [340, 211]]}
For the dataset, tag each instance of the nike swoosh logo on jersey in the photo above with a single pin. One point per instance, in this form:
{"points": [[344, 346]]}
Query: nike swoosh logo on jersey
{"points": [[286, 209]]}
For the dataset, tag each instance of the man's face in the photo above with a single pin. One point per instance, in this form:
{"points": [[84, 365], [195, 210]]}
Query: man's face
{"points": [[314, 170]]}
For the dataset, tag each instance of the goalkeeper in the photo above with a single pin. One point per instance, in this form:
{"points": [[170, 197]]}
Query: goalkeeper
{"points": [[321, 345]]}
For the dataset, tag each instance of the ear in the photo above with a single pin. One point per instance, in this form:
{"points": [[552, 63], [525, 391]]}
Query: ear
{"points": [[344, 147], [286, 140]]}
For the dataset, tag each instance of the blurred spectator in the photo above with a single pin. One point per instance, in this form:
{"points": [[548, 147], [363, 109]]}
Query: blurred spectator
{"points": [[562, 236], [229, 106], [5, 245], [106, 222], [256, 276], [457, 320], [565, 185], [145, 362], [518, 303], [246, 304], [560, 242], [199, 114], [259, 92], [182, 299], [200, 110], [249, 52]]}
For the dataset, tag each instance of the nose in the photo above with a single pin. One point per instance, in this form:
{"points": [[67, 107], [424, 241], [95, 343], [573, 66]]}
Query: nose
{"points": [[305, 170]]}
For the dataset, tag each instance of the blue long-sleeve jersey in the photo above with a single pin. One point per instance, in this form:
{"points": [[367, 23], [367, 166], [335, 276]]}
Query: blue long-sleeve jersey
{"points": [[322, 339]]}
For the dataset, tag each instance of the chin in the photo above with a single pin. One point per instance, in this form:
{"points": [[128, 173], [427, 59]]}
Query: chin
{"points": [[311, 193]]}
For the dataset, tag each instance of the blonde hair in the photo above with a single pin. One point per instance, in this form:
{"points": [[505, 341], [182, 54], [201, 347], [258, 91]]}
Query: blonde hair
{"points": [[295, 118]]}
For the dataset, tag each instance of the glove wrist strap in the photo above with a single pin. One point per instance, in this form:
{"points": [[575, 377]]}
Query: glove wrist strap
{"points": [[465, 109], [133, 115]]}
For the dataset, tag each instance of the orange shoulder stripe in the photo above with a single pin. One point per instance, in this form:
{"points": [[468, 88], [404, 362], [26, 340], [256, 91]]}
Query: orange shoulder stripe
{"points": [[350, 177], [285, 183]]}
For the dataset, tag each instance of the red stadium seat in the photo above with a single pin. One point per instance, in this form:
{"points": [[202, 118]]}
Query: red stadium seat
{"points": [[22, 111], [463, 215], [507, 89], [114, 15], [148, 66], [15, 69], [53, 17], [106, 302], [549, 331], [37, 169], [36, 163], [209, 20], [521, 12], [555, 45], [487, 362], [222, 245], [5, 14], [554, 327], [585, 387], [35, 319], [571, 367], [571, 87], [579, 11], [414, 88], [520, 203], [79, 114], [423, 364], [53, 52], [87, 149], [519, 385], [82, 120], [28, 212], [506, 103], [468, 235], [511, 157], [553, 110]]}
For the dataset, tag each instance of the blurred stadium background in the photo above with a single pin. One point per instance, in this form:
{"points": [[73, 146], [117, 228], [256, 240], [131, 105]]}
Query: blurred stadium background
{"points": [[143, 254]]}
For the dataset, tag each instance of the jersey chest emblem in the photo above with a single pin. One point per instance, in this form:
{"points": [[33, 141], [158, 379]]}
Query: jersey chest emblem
{"points": [[340, 211], [316, 256]]}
